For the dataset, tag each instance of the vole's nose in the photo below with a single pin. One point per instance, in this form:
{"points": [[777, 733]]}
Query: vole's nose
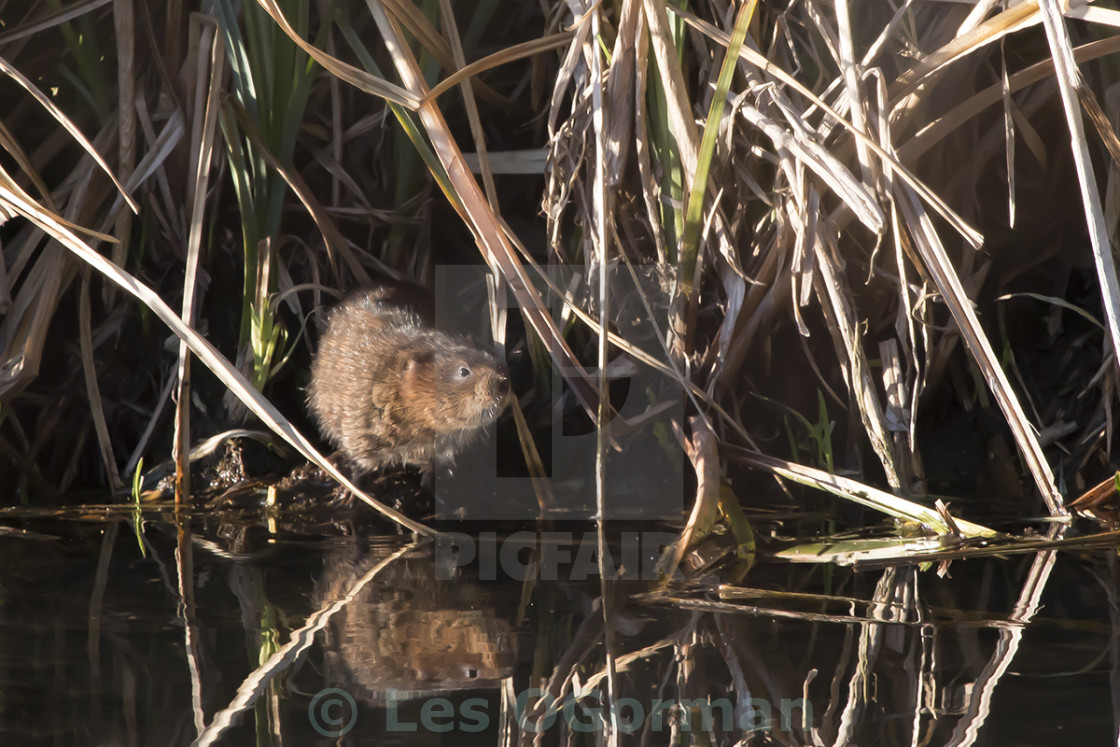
{"points": [[503, 381]]}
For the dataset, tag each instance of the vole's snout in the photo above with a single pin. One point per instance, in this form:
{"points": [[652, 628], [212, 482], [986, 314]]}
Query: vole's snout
{"points": [[503, 381]]}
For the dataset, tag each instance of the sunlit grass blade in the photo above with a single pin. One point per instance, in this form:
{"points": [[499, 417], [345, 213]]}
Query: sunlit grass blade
{"points": [[694, 212], [857, 492], [357, 78], [66, 123]]}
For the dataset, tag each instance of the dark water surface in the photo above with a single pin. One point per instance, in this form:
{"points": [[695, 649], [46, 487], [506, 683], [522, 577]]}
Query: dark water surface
{"points": [[411, 644]]}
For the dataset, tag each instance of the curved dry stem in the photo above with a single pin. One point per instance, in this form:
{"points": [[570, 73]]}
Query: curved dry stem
{"points": [[206, 352]]}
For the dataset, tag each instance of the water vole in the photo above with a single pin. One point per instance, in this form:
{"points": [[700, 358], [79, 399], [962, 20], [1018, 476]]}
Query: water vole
{"points": [[386, 390]]}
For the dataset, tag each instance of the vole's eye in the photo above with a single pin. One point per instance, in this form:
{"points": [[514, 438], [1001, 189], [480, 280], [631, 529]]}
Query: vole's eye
{"points": [[463, 372]]}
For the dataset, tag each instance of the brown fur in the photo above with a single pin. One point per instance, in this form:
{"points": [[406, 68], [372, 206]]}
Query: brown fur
{"points": [[387, 391]]}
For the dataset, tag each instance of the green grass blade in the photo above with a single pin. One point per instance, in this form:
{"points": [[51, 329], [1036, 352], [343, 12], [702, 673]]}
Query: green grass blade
{"points": [[694, 214], [404, 116]]}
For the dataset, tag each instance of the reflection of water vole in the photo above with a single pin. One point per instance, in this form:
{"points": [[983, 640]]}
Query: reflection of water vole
{"points": [[386, 390], [406, 634]]}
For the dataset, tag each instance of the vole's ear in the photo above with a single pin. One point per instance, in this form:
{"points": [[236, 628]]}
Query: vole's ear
{"points": [[417, 358]]}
